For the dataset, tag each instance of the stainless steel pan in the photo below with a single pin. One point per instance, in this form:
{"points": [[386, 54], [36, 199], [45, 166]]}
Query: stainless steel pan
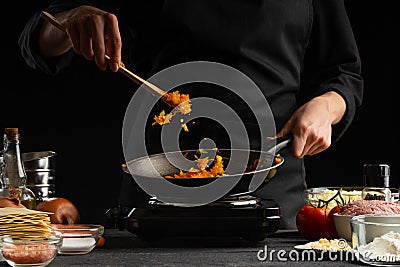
{"points": [[258, 162]]}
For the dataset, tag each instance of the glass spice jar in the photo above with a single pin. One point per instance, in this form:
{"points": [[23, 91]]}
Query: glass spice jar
{"points": [[13, 176], [376, 182]]}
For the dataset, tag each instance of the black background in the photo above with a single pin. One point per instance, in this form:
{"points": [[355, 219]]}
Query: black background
{"points": [[81, 121]]}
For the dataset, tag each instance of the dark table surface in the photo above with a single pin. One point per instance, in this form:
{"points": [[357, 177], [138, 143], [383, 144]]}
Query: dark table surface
{"points": [[123, 248]]}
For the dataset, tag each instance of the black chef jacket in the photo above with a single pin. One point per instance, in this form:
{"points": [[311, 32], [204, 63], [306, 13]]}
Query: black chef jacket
{"points": [[293, 50]]}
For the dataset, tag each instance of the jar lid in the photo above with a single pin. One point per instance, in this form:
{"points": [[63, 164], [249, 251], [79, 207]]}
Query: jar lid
{"points": [[376, 175], [11, 133]]}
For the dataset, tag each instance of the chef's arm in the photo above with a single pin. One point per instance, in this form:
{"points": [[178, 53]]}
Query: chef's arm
{"points": [[332, 86], [311, 124], [52, 41], [48, 49], [332, 63], [89, 31], [335, 104]]}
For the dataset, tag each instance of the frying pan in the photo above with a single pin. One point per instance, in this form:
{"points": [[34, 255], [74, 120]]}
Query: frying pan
{"points": [[241, 165]]}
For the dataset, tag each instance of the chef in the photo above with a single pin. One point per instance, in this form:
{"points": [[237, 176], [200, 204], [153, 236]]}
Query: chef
{"points": [[301, 54]]}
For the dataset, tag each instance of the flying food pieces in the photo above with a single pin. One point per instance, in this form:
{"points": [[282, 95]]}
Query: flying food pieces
{"points": [[24, 223]]}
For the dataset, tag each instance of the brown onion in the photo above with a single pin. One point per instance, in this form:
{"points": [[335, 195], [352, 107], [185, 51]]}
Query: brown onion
{"points": [[64, 211], [7, 202]]}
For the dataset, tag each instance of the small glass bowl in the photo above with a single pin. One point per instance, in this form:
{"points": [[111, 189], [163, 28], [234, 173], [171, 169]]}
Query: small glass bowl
{"points": [[375, 239], [78, 238], [349, 193], [32, 252]]}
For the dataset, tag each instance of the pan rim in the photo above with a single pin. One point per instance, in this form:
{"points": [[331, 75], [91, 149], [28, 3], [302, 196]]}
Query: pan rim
{"points": [[273, 166]]}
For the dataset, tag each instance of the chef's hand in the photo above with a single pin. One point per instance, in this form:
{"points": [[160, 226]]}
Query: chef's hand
{"points": [[90, 31], [311, 124]]}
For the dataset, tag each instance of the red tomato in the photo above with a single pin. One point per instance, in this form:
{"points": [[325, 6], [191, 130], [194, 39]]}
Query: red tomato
{"points": [[311, 222], [331, 222]]}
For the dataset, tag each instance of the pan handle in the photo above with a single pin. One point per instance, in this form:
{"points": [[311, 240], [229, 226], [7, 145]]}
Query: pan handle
{"points": [[281, 143]]}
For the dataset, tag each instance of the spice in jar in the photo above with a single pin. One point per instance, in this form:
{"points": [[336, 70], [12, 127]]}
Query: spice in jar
{"points": [[29, 254]]}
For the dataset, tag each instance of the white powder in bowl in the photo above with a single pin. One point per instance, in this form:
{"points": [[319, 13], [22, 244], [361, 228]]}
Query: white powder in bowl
{"points": [[78, 244], [386, 246]]}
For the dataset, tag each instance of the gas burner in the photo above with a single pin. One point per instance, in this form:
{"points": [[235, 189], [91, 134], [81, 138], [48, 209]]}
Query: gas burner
{"points": [[248, 218]]}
